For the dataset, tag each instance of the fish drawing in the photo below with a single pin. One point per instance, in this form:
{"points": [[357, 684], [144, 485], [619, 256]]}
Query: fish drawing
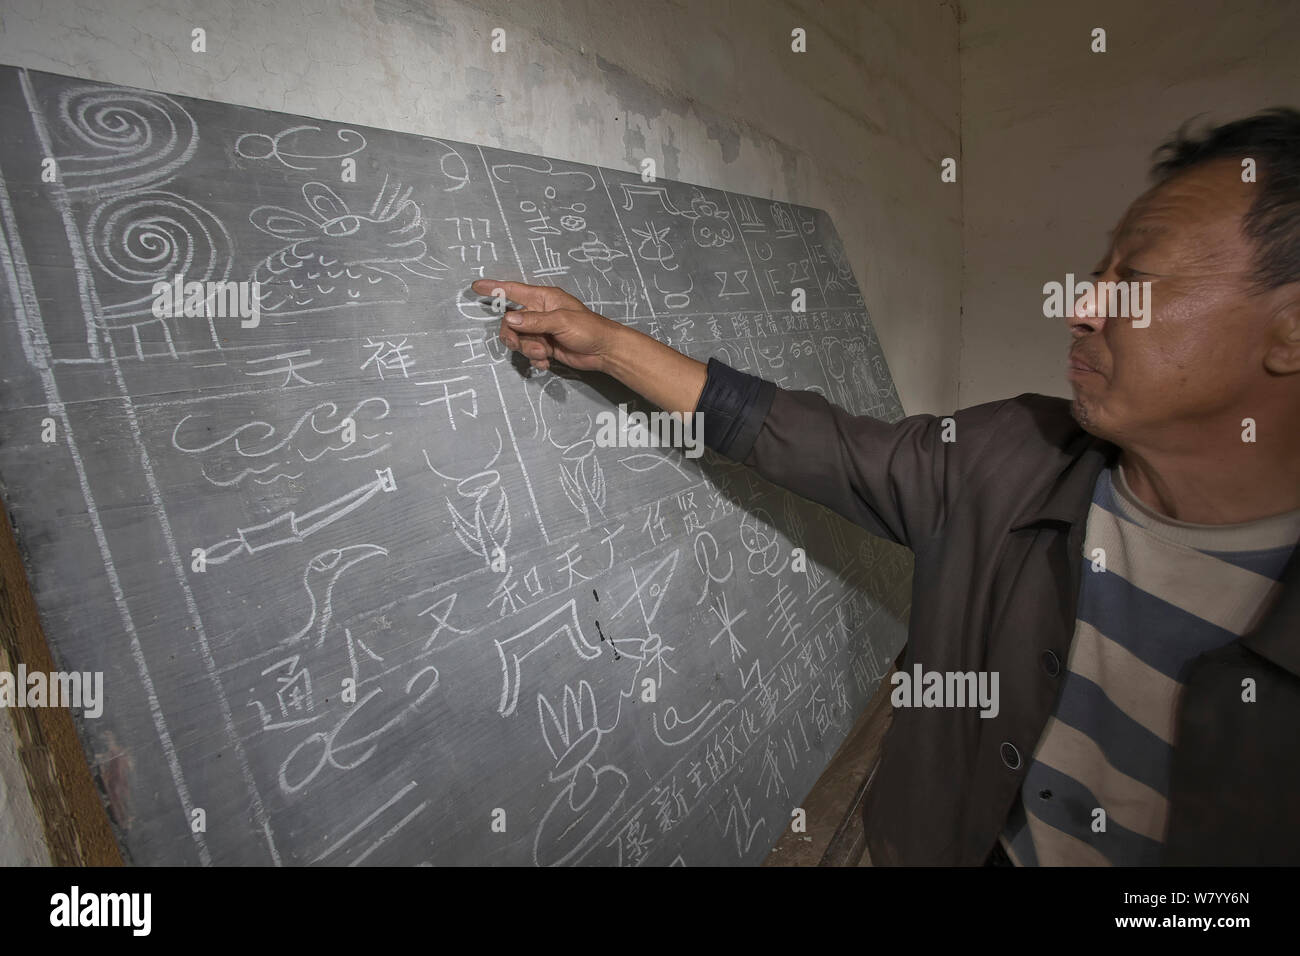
{"points": [[337, 258]]}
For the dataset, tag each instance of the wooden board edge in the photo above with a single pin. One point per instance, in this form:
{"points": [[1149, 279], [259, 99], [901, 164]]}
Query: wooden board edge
{"points": [[849, 842], [77, 828]]}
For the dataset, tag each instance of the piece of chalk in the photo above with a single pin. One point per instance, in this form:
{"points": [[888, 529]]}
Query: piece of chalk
{"points": [[511, 304]]}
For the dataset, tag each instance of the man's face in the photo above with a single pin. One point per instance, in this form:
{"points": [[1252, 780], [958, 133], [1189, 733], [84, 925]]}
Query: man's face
{"points": [[1203, 352]]}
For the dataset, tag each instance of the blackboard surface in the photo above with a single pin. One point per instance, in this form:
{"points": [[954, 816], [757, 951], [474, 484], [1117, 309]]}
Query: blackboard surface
{"points": [[383, 498]]}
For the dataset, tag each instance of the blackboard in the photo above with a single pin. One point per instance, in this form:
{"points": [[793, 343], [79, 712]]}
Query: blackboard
{"points": [[234, 523]]}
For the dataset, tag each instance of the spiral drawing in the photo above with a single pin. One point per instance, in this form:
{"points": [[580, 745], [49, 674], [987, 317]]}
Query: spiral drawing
{"points": [[131, 138], [141, 238]]}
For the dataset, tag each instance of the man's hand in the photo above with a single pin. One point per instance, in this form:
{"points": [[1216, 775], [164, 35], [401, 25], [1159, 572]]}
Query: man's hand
{"points": [[553, 325]]}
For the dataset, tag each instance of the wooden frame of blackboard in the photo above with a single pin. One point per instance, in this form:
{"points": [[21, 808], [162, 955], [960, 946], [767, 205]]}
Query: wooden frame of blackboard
{"points": [[63, 788]]}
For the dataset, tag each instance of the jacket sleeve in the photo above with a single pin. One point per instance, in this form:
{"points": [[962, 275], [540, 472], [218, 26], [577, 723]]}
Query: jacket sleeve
{"points": [[896, 480]]}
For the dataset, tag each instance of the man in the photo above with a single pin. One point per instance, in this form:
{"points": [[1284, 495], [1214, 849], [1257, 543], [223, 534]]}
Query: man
{"points": [[1126, 562]]}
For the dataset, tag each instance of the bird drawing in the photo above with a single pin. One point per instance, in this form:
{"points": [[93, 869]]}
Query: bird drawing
{"points": [[321, 575]]}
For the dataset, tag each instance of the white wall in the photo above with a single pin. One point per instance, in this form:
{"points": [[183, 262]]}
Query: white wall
{"points": [[1056, 143], [22, 839]]}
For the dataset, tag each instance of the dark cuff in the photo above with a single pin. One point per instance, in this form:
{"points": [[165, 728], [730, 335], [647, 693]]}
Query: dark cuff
{"points": [[734, 404]]}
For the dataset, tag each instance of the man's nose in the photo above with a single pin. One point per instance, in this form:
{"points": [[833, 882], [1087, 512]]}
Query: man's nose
{"points": [[1084, 317]]}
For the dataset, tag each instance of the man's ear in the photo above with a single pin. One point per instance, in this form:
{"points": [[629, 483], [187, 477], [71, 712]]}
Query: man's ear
{"points": [[1282, 355]]}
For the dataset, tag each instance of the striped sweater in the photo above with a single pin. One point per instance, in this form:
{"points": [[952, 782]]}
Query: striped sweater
{"points": [[1156, 593]]}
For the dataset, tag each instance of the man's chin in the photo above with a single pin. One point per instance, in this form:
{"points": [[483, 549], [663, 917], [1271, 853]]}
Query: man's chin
{"points": [[1085, 407], [1083, 414], [1098, 419]]}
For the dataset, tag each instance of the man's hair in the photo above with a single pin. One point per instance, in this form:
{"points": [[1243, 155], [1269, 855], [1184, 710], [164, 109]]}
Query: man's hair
{"points": [[1272, 139]]}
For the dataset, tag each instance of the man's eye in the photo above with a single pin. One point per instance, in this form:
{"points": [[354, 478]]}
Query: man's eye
{"points": [[1126, 272]]}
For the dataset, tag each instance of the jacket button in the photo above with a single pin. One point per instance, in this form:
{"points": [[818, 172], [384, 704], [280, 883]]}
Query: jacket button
{"points": [[1051, 664], [1010, 755]]}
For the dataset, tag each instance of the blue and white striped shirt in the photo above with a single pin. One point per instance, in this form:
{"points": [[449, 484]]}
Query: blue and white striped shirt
{"points": [[1156, 593]]}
